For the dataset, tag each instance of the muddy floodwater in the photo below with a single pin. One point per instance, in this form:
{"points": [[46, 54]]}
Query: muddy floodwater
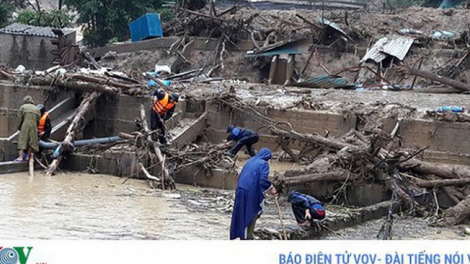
{"points": [[85, 206], [93, 206]]}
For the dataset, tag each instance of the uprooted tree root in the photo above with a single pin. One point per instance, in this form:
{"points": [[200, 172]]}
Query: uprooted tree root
{"points": [[359, 157]]}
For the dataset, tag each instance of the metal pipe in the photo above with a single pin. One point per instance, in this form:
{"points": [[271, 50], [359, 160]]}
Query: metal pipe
{"points": [[96, 141], [48, 145], [53, 145]]}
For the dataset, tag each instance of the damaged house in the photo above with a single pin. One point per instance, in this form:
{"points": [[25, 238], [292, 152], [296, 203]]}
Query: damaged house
{"points": [[33, 47]]}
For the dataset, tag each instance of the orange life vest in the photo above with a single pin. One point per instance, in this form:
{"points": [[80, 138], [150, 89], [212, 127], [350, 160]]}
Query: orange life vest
{"points": [[42, 122], [162, 107]]}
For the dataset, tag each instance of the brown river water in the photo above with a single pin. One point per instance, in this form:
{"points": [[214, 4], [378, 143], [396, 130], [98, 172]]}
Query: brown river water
{"points": [[86, 206], [93, 206]]}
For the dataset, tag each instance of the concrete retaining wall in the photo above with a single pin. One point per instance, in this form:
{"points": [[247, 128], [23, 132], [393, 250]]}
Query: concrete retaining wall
{"points": [[11, 98], [33, 52]]}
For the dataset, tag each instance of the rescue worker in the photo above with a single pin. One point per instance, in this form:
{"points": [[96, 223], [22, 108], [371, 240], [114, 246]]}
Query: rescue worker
{"points": [[28, 116], [45, 126], [306, 208], [243, 137], [252, 184], [163, 108]]}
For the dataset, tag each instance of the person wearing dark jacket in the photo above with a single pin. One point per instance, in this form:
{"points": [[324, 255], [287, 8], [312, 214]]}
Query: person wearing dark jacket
{"points": [[163, 107], [306, 208], [243, 137], [45, 126], [252, 184]]}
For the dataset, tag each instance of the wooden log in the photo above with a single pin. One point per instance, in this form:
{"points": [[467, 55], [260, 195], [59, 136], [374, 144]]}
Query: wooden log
{"points": [[126, 135], [91, 60], [389, 175], [441, 183], [147, 174], [98, 80], [441, 79], [31, 165], [337, 175], [85, 105], [459, 213], [448, 171], [76, 85], [449, 192], [288, 150], [316, 139]]}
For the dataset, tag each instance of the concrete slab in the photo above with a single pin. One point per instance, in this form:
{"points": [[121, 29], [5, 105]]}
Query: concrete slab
{"points": [[119, 164], [441, 136], [190, 132], [12, 166], [214, 179]]}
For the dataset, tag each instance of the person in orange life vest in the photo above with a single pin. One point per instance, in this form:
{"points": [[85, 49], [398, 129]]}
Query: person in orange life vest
{"points": [[163, 108], [44, 127]]}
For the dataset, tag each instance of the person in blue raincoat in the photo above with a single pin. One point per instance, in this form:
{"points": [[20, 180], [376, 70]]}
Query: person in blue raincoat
{"points": [[242, 137], [306, 208], [252, 184]]}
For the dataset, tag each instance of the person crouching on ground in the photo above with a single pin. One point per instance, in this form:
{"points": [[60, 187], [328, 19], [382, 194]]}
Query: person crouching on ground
{"points": [[252, 184], [306, 208], [163, 108], [28, 126], [45, 127], [243, 137]]}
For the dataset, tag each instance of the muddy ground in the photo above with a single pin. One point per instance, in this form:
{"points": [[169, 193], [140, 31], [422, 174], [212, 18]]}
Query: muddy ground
{"points": [[336, 53], [404, 227]]}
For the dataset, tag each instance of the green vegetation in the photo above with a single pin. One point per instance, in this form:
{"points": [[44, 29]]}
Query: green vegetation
{"points": [[108, 20], [53, 18], [6, 10], [166, 14]]}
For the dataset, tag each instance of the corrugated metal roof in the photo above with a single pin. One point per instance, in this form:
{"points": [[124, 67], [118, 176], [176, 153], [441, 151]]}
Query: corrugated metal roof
{"points": [[375, 53], [333, 25], [326, 81], [22, 29], [398, 47], [389, 46]]}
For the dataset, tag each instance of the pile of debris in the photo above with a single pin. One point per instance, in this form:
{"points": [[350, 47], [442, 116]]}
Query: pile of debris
{"points": [[369, 156]]}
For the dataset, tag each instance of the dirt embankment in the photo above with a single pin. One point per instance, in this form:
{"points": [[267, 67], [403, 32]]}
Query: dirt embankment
{"points": [[335, 51]]}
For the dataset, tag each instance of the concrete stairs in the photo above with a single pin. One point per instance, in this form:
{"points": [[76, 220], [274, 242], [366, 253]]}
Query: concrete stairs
{"points": [[61, 115]]}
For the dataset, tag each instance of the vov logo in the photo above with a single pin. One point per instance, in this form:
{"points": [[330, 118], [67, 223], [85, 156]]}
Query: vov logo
{"points": [[14, 255]]}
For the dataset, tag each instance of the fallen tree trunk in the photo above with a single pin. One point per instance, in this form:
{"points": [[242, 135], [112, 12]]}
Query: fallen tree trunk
{"points": [[97, 80], [458, 213], [66, 144], [431, 76], [448, 171], [76, 85], [337, 175], [441, 183], [165, 173], [316, 139]]}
